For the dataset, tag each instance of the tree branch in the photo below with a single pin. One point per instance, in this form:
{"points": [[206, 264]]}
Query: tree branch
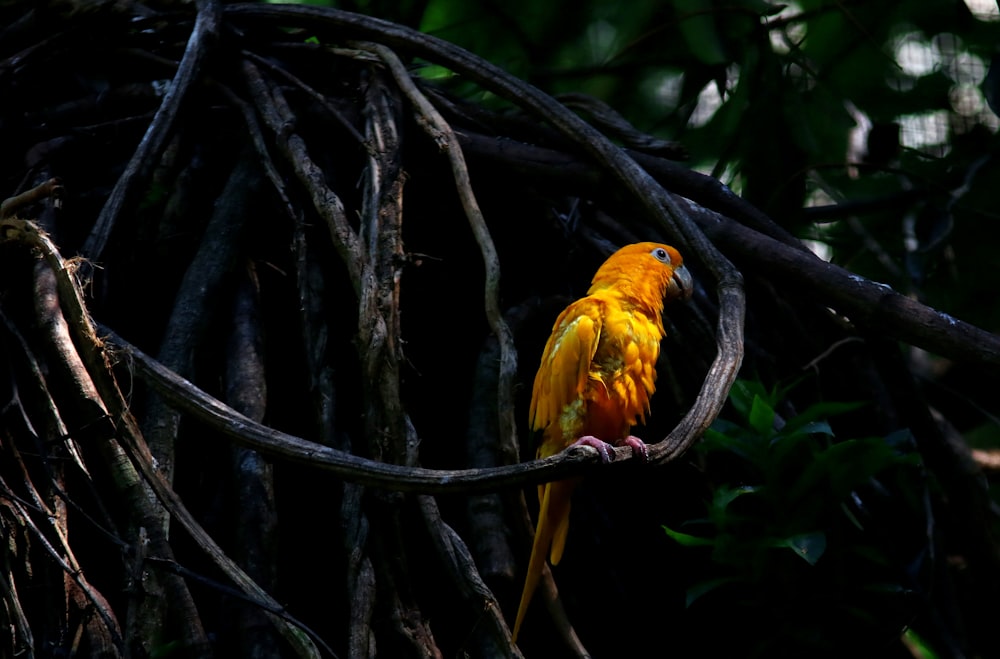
{"points": [[206, 27], [629, 175], [865, 302]]}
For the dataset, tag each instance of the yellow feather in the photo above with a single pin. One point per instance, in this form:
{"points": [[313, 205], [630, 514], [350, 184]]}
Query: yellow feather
{"points": [[596, 376]]}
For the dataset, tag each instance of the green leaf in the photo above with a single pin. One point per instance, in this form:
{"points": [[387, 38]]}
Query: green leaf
{"points": [[688, 540], [812, 428], [742, 395], [726, 495], [851, 463], [808, 546], [921, 648], [700, 33], [818, 412], [435, 72], [722, 430], [762, 417]]}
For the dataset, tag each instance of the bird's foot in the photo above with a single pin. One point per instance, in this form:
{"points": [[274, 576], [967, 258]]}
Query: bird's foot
{"points": [[639, 448], [603, 448]]}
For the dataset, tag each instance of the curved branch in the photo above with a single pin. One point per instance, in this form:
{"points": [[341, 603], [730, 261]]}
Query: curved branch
{"points": [[633, 178], [716, 210], [866, 303], [227, 421]]}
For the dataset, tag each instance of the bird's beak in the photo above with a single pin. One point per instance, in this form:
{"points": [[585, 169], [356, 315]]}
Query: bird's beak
{"points": [[680, 285]]}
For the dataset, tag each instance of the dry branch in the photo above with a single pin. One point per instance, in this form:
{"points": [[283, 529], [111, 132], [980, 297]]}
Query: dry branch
{"points": [[657, 202], [105, 396], [354, 183], [724, 218], [278, 117], [256, 525], [136, 174], [442, 134], [220, 417], [138, 456]]}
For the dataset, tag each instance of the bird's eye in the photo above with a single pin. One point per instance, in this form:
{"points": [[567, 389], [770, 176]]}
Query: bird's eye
{"points": [[660, 254]]}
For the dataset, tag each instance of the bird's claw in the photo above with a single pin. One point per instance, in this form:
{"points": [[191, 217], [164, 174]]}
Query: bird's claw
{"points": [[639, 448], [602, 447]]}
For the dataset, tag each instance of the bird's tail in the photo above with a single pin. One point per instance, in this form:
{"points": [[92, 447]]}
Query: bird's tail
{"points": [[550, 538]]}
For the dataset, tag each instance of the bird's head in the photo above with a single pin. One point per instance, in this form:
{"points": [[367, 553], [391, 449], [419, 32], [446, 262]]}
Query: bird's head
{"points": [[651, 273]]}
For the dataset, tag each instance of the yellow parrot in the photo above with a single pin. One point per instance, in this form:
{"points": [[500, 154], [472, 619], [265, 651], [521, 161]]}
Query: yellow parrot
{"points": [[596, 376]]}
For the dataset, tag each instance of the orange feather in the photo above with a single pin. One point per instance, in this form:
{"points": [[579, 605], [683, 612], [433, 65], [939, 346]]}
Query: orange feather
{"points": [[596, 376]]}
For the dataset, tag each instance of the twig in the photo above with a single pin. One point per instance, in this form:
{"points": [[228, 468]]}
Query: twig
{"points": [[624, 170], [359, 573], [389, 433], [268, 606], [230, 423], [196, 301], [206, 26], [260, 146], [18, 626], [610, 121], [66, 560], [439, 130], [465, 577], [279, 118], [323, 101], [95, 357], [489, 537], [48, 190], [105, 395], [863, 301], [56, 291], [256, 523], [379, 339], [717, 210]]}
